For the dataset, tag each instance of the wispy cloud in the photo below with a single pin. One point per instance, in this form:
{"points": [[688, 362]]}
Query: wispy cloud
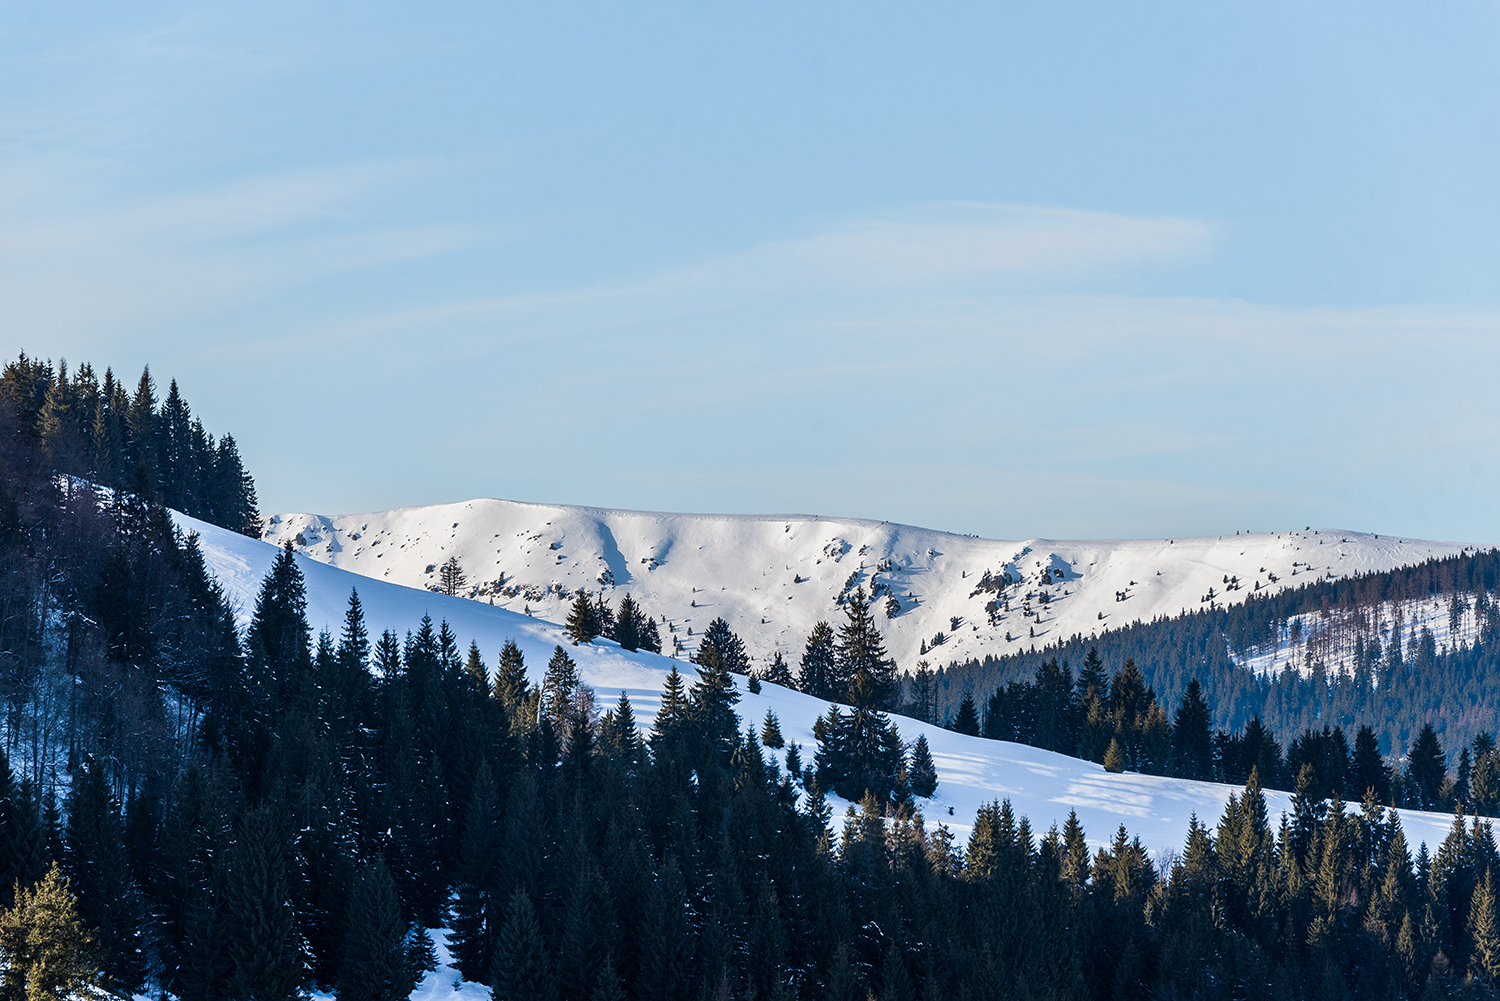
{"points": [[75, 260]]}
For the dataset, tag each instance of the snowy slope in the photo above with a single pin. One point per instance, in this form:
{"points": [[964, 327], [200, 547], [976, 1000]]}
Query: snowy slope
{"points": [[772, 578], [1040, 784]]}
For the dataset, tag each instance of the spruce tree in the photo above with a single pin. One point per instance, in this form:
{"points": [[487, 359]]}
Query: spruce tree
{"points": [[99, 871], [1484, 933], [628, 624], [1427, 768], [452, 580], [778, 673], [1192, 743], [522, 971], [770, 731], [45, 951], [818, 668], [264, 945], [920, 770], [375, 965], [860, 648], [510, 678], [583, 619], [966, 720], [1369, 768]]}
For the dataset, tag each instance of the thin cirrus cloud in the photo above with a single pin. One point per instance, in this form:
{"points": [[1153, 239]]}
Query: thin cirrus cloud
{"points": [[78, 261]]}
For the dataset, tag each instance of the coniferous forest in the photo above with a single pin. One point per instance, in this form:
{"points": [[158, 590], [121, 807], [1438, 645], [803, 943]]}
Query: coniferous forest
{"points": [[192, 809]]}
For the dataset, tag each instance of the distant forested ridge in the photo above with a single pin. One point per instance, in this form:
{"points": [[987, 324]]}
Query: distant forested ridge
{"points": [[1360, 658], [101, 431]]}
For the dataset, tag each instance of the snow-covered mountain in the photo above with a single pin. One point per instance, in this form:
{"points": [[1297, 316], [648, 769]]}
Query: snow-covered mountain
{"points": [[940, 596], [1040, 784]]}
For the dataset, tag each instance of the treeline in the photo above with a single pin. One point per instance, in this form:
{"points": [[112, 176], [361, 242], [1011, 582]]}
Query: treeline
{"points": [[346, 793], [101, 432], [1395, 688], [1119, 722]]}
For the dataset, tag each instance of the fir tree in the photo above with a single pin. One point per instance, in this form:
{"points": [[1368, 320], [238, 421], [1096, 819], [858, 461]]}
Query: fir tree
{"points": [[451, 578], [375, 965], [818, 676], [264, 945], [523, 971], [770, 731], [920, 770], [966, 720], [44, 950], [860, 648], [583, 619]]}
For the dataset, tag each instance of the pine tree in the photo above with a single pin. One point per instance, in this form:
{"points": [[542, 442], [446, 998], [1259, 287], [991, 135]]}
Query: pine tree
{"points": [[860, 648], [523, 971], [99, 870], [1192, 743], [264, 945], [770, 731], [778, 673], [375, 965], [1114, 757], [818, 676], [583, 619], [966, 720], [1427, 768], [921, 771], [45, 951], [451, 577]]}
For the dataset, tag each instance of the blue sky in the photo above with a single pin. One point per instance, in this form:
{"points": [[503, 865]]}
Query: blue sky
{"points": [[1043, 270]]}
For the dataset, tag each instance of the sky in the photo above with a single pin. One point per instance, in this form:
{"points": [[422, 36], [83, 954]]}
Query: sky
{"points": [[1062, 270]]}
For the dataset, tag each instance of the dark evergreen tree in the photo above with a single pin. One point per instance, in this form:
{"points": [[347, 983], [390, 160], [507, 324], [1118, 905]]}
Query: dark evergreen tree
{"points": [[265, 948], [966, 720], [583, 619], [523, 971], [98, 869], [375, 965], [920, 770], [860, 648], [1426, 767], [778, 673], [770, 731], [1192, 742], [819, 670]]}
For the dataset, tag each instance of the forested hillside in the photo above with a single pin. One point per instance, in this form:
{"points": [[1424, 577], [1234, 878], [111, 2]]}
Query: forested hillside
{"points": [[121, 439], [1350, 656]]}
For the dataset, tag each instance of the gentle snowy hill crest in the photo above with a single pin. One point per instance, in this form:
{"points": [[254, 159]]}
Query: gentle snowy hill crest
{"points": [[1042, 785], [939, 596]]}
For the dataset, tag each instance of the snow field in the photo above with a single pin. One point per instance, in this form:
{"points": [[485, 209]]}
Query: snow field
{"points": [[773, 577], [1040, 785]]}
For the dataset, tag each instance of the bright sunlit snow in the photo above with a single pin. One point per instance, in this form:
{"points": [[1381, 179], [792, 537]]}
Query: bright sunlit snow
{"points": [[1041, 785]]}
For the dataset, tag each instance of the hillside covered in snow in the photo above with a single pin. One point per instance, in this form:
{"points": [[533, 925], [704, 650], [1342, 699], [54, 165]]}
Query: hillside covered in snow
{"points": [[939, 596], [1040, 784]]}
